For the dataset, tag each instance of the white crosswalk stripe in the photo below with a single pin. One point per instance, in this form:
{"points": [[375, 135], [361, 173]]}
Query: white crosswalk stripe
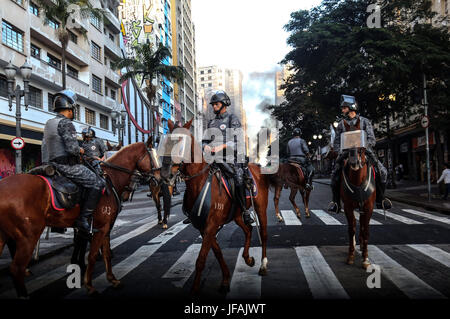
{"points": [[321, 279], [371, 221], [433, 252], [290, 218], [184, 266], [246, 283], [406, 281], [399, 218], [325, 217], [445, 220]]}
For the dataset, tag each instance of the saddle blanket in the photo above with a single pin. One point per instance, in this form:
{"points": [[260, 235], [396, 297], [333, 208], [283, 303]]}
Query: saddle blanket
{"points": [[227, 186], [55, 202]]}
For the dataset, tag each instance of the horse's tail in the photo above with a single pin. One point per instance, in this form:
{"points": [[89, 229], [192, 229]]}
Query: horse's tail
{"points": [[272, 180]]}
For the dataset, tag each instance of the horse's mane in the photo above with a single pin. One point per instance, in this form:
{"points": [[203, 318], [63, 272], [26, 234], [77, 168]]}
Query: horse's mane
{"points": [[124, 149]]}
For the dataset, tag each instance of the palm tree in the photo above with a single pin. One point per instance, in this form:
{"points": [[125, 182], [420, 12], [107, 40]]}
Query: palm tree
{"points": [[148, 65], [62, 11]]}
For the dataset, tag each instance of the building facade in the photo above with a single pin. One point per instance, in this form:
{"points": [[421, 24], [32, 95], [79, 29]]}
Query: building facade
{"points": [[88, 67]]}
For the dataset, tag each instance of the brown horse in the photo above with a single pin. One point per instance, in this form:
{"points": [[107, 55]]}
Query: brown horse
{"points": [[357, 190], [195, 176], [291, 175], [26, 208]]}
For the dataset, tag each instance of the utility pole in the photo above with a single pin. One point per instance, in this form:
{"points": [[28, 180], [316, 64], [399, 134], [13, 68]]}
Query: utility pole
{"points": [[427, 143]]}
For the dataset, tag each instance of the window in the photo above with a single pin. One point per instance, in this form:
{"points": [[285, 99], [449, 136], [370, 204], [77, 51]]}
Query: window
{"points": [[111, 37], [203, 79], [12, 37], [209, 71], [210, 84], [72, 37], [106, 61], [50, 99], [95, 21], [113, 94], [54, 62], [209, 78], [95, 51], [35, 97], [202, 72], [35, 51], [3, 86], [52, 23], [89, 116], [33, 8], [72, 71], [104, 123], [96, 84], [77, 112], [203, 85], [20, 2]]}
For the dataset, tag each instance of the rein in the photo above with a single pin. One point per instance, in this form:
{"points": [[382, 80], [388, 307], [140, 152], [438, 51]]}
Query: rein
{"points": [[188, 177]]}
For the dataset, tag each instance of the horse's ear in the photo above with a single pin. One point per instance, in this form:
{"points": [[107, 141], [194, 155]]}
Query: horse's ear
{"points": [[188, 124], [149, 142], [119, 146], [108, 146], [170, 125]]}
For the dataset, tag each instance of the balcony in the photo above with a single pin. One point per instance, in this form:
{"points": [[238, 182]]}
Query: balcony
{"points": [[112, 77], [112, 49], [112, 22]]}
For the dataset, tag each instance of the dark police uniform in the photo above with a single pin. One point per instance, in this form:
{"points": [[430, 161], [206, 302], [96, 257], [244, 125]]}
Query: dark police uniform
{"points": [[94, 147], [297, 149]]}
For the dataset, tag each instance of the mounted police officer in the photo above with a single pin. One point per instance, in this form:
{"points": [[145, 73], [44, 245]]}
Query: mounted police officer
{"points": [[94, 148], [60, 148], [349, 110], [298, 152], [223, 121]]}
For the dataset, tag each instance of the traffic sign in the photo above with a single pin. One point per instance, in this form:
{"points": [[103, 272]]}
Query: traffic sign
{"points": [[17, 143], [425, 121]]}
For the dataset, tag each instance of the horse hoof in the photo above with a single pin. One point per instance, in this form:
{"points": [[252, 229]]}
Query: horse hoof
{"points": [[250, 261], [280, 219], [159, 221], [262, 272], [350, 261], [365, 265], [308, 215], [223, 289], [164, 226], [28, 273], [117, 284]]}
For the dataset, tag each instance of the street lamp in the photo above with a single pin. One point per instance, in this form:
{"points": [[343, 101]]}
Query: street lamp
{"points": [[17, 93], [118, 122], [335, 124]]}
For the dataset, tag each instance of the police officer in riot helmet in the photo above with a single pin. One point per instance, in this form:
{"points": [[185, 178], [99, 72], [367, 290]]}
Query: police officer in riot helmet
{"points": [[94, 148], [350, 115], [298, 152], [60, 148], [223, 121]]}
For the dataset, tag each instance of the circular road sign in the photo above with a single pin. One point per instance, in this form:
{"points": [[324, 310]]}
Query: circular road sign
{"points": [[425, 122], [18, 143]]}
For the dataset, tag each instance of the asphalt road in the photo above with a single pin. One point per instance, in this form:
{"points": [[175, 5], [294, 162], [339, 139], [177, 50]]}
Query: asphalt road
{"points": [[306, 258]]}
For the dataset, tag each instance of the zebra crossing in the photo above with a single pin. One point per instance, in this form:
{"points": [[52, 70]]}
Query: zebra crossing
{"points": [[323, 274]]}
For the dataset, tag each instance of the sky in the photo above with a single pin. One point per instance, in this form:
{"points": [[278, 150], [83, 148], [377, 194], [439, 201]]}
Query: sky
{"points": [[247, 35]]}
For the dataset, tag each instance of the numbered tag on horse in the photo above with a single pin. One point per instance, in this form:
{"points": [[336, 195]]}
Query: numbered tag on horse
{"points": [[353, 139]]}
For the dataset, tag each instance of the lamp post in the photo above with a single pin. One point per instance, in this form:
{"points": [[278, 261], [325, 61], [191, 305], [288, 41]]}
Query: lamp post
{"points": [[118, 122], [318, 138], [17, 93]]}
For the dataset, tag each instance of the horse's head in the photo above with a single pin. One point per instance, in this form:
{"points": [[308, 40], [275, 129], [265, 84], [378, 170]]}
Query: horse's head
{"points": [[357, 158], [170, 146], [110, 147]]}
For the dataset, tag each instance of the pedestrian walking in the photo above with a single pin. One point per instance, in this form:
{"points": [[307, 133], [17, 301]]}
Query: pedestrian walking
{"points": [[446, 178]]}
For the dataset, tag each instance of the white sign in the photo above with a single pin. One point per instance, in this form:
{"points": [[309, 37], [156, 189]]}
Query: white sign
{"points": [[425, 122], [18, 143]]}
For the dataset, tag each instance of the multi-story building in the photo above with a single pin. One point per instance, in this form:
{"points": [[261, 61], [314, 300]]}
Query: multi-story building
{"points": [[280, 79], [183, 41], [25, 37]]}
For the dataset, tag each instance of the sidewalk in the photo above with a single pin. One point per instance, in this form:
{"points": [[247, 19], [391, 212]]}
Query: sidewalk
{"points": [[56, 242], [413, 193]]}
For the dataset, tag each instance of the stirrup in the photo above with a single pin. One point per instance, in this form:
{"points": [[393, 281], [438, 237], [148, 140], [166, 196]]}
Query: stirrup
{"points": [[333, 207], [247, 218], [309, 187], [385, 204], [187, 221]]}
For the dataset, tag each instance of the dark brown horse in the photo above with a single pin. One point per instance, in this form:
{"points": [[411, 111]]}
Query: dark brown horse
{"points": [[290, 175], [26, 208], [357, 189], [196, 175]]}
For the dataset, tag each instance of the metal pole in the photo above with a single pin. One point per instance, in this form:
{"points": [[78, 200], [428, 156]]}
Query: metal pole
{"points": [[17, 94], [425, 102]]}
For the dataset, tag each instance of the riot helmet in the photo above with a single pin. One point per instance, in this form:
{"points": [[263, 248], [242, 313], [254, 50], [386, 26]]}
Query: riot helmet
{"points": [[65, 99], [297, 132], [349, 101], [88, 132]]}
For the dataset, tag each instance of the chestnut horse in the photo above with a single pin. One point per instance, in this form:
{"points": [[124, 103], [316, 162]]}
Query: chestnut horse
{"points": [[26, 208], [158, 189], [195, 176], [291, 175], [357, 190]]}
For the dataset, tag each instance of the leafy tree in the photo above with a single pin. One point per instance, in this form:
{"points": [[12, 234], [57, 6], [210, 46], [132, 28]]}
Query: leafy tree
{"points": [[62, 11]]}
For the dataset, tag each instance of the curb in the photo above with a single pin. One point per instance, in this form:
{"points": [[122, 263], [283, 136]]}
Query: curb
{"points": [[426, 205], [51, 253]]}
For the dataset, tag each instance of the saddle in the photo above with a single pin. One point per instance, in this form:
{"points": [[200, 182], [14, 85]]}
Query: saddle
{"points": [[64, 193]]}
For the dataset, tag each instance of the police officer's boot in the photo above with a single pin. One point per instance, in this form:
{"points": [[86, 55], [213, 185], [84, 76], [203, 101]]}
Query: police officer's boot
{"points": [[90, 203], [248, 220], [382, 202], [309, 183], [335, 205]]}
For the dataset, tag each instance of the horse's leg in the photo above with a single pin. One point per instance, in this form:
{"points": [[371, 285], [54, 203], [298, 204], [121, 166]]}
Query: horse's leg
{"points": [[261, 210], [22, 256], [364, 236], [76, 249], [208, 239], [276, 199], [225, 285], [82, 246], [250, 261], [157, 200], [96, 242], [292, 199], [3, 239], [305, 197], [351, 234], [167, 200], [106, 253]]}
